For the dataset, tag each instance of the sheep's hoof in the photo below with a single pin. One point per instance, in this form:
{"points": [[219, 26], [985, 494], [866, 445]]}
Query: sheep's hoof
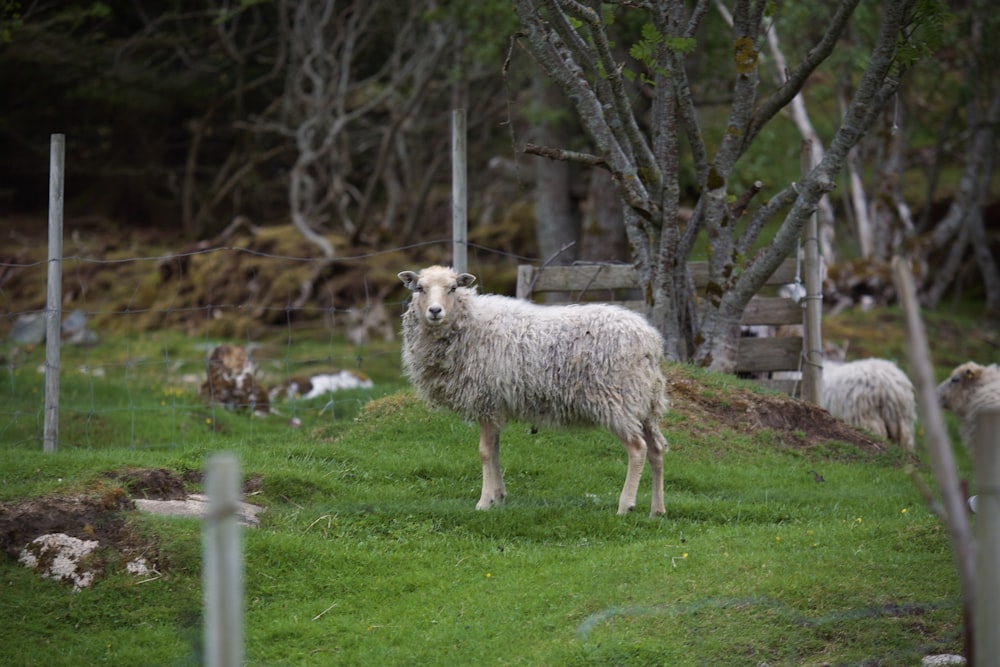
{"points": [[486, 503], [656, 514], [622, 511]]}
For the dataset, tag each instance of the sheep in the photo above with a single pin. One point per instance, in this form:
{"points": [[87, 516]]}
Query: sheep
{"points": [[968, 391], [231, 381], [872, 394], [490, 358]]}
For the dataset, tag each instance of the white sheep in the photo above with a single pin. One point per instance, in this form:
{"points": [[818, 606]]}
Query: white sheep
{"points": [[968, 391], [872, 394], [491, 358]]}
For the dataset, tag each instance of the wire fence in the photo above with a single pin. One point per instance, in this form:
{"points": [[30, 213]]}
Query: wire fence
{"points": [[134, 335], [116, 345]]}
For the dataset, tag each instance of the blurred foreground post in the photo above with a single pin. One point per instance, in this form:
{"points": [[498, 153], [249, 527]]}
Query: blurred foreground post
{"points": [[986, 630], [939, 446], [53, 300], [222, 573]]}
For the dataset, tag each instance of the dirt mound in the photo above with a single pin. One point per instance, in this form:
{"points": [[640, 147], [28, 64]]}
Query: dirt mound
{"points": [[797, 423], [99, 514], [153, 484], [85, 516]]}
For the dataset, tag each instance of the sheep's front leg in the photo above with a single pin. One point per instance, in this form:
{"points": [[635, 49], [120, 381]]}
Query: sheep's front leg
{"points": [[636, 449], [489, 455]]}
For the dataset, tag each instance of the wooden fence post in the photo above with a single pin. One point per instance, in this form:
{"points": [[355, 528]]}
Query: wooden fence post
{"points": [[53, 300], [812, 343]]}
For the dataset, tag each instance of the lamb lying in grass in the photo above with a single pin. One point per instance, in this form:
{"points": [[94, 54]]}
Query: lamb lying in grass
{"points": [[231, 381], [492, 358]]}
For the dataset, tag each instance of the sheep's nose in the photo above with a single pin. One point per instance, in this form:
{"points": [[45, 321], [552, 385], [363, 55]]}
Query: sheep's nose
{"points": [[435, 311]]}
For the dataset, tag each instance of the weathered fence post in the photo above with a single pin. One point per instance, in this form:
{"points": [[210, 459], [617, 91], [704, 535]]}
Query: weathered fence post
{"points": [[459, 194], [812, 343], [222, 574], [986, 623], [53, 300]]}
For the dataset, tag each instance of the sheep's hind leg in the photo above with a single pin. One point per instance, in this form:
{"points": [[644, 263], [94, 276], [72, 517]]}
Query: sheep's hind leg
{"points": [[494, 491], [656, 445], [636, 448]]}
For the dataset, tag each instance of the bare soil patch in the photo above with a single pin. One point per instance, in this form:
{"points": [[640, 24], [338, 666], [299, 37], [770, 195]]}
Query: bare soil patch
{"points": [[797, 423], [89, 516], [99, 513]]}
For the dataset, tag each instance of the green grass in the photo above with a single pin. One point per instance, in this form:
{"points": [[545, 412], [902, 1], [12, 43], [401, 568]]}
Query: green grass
{"points": [[142, 391], [370, 550]]}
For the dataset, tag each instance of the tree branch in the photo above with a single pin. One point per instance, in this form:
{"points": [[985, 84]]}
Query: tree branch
{"points": [[780, 98], [612, 74], [746, 52], [682, 91], [763, 215], [565, 155], [739, 207], [548, 49]]}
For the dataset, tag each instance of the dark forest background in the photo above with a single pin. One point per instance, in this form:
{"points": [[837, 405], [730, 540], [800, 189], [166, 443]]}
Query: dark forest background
{"points": [[334, 116]]}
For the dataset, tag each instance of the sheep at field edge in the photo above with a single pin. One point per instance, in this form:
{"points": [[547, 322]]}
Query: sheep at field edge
{"points": [[872, 394], [969, 390], [490, 358]]}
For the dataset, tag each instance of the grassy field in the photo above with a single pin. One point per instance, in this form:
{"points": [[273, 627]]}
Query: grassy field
{"points": [[777, 547]]}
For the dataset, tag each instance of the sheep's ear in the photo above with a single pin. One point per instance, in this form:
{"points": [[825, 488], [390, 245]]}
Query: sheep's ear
{"points": [[465, 280], [971, 373], [408, 278]]}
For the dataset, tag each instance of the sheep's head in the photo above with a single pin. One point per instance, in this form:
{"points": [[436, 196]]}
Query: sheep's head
{"points": [[960, 383], [434, 290]]}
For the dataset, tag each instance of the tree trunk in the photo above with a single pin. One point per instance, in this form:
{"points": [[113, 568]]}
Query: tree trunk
{"points": [[602, 233], [556, 227]]}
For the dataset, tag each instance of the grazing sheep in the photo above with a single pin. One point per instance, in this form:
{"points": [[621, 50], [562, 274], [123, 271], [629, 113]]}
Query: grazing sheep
{"points": [[969, 390], [873, 394], [491, 358]]}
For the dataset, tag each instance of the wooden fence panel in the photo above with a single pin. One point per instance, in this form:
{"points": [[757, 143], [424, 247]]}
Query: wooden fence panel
{"points": [[757, 356]]}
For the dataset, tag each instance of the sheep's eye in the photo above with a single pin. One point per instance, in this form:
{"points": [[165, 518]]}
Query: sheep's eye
{"points": [[418, 288], [453, 288]]}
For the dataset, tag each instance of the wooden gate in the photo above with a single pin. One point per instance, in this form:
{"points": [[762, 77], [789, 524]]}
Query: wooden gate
{"points": [[775, 361]]}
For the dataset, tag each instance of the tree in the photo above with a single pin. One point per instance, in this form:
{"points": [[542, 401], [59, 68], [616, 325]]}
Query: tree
{"points": [[334, 88], [641, 146], [962, 230], [555, 225]]}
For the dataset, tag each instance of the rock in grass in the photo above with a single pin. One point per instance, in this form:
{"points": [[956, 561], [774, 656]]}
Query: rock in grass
{"points": [[63, 557], [28, 329], [942, 660]]}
